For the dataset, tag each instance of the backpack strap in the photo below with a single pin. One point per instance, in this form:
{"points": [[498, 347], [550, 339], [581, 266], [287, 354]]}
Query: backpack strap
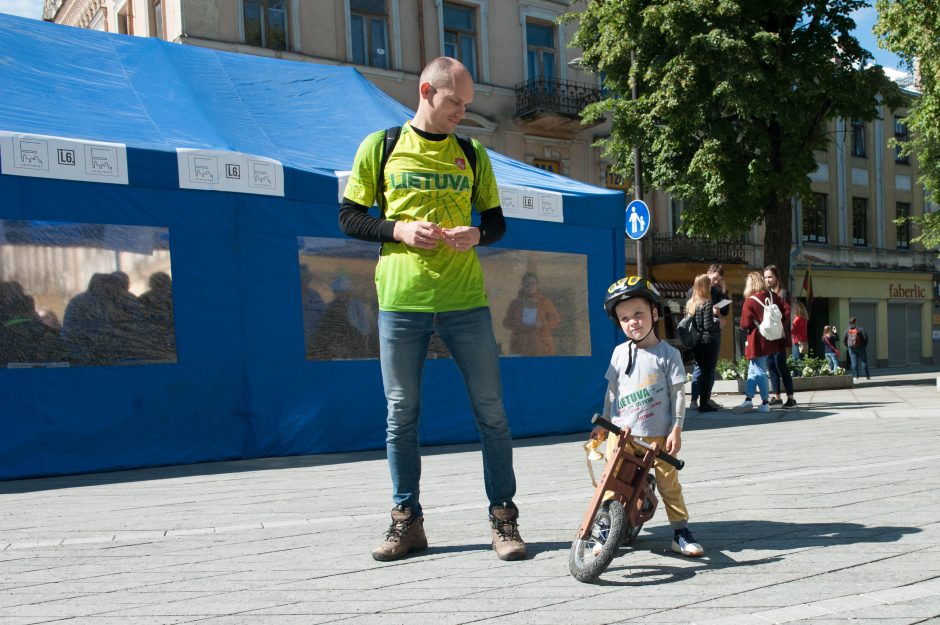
{"points": [[388, 144], [466, 144]]}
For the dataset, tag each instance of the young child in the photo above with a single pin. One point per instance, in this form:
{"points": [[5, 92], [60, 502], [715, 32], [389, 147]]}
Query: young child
{"points": [[645, 392]]}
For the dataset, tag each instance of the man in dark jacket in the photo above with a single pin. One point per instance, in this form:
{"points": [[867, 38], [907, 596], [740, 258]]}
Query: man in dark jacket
{"points": [[856, 340]]}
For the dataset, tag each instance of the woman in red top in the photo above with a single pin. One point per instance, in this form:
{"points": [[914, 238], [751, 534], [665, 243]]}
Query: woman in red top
{"points": [[800, 332], [757, 348]]}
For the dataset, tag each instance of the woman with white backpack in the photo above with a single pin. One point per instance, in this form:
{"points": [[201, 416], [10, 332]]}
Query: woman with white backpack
{"points": [[762, 319]]}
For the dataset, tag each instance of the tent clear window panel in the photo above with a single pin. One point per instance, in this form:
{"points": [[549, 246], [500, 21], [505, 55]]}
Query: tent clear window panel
{"points": [[538, 301], [337, 294], [74, 294]]}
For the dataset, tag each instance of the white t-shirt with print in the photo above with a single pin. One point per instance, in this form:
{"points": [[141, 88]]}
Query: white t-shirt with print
{"points": [[641, 399]]}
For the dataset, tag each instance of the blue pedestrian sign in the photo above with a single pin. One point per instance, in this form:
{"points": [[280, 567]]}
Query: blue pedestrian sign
{"points": [[638, 219]]}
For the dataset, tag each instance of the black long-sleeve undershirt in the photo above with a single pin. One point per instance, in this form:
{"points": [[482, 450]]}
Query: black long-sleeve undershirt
{"points": [[355, 221]]}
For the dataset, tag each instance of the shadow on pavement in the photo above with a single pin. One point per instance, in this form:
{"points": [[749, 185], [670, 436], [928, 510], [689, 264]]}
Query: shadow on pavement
{"points": [[722, 539]]}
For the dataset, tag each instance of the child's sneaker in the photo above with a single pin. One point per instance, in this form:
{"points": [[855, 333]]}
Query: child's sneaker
{"points": [[763, 408], [684, 543], [790, 403], [693, 405], [744, 406]]}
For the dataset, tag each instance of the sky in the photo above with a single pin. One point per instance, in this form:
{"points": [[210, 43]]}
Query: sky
{"points": [[864, 18]]}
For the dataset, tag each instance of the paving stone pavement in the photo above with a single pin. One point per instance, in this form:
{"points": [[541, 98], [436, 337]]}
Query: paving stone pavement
{"points": [[829, 513]]}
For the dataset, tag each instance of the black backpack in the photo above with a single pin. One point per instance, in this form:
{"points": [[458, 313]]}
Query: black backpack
{"points": [[391, 138]]}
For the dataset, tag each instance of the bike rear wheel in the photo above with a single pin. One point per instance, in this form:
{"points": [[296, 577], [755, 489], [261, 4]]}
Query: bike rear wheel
{"points": [[589, 557]]}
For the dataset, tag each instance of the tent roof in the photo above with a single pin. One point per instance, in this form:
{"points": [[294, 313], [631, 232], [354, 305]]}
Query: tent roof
{"points": [[154, 95]]}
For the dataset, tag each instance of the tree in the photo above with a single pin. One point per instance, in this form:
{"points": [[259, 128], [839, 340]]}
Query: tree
{"points": [[911, 29], [734, 98]]}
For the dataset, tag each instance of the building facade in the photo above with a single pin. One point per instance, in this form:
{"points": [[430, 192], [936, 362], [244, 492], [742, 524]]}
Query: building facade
{"points": [[529, 91]]}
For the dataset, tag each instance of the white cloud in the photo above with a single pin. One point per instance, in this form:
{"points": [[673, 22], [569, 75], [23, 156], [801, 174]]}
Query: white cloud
{"points": [[23, 8]]}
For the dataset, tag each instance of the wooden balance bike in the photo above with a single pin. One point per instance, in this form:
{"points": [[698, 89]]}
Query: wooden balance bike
{"points": [[623, 501]]}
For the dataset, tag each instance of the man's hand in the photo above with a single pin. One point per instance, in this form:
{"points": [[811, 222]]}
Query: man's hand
{"points": [[674, 441], [462, 238], [423, 234]]}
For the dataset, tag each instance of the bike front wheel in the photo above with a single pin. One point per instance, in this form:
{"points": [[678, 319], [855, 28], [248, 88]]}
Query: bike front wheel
{"points": [[591, 556]]}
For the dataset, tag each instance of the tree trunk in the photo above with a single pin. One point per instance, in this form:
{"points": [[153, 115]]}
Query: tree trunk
{"points": [[777, 237]]}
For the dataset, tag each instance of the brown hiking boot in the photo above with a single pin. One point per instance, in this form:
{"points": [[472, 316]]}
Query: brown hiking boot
{"points": [[405, 535], [506, 539]]}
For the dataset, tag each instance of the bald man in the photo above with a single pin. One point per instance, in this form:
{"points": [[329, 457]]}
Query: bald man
{"points": [[429, 280]]}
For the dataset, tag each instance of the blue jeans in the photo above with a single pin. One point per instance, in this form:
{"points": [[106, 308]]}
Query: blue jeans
{"points": [[777, 368], [757, 377], [403, 345], [859, 359], [833, 361]]}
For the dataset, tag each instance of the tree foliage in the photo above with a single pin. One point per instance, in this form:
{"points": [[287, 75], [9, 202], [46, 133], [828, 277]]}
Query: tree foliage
{"points": [[911, 29], [734, 98]]}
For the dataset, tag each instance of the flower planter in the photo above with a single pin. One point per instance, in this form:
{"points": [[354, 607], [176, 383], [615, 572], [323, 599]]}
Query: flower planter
{"points": [[817, 383]]}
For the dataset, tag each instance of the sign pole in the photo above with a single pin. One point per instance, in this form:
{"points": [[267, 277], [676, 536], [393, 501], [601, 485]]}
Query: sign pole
{"points": [[641, 268]]}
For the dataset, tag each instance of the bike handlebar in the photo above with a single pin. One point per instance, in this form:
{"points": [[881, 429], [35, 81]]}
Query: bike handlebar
{"points": [[613, 429]]}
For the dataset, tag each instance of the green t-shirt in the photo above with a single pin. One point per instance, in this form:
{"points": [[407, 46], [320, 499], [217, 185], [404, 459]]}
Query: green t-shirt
{"points": [[425, 181]]}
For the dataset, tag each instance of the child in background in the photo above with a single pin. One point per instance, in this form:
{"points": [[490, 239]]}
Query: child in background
{"points": [[645, 392]]}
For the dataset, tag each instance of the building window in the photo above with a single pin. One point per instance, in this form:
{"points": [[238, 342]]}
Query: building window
{"points": [[858, 138], [540, 51], [266, 23], [547, 165], [859, 221], [903, 210], [900, 134], [368, 21], [156, 18], [675, 209], [460, 35], [814, 219], [123, 21]]}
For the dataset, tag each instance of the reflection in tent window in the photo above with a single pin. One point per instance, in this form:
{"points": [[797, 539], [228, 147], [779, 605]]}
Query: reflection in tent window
{"points": [[337, 293], [84, 294], [538, 301]]}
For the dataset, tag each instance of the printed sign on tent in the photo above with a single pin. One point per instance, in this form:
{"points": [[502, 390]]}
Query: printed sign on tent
{"points": [[218, 170], [42, 156]]}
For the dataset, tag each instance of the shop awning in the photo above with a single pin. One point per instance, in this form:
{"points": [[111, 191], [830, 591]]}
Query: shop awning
{"points": [[673, 290]]}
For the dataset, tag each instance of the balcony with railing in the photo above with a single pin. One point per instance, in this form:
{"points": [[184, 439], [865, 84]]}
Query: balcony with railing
{"points": [[553, 107], [679, 248]]}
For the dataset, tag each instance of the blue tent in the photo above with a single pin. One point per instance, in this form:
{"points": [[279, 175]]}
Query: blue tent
{"points": [[133, 114]]}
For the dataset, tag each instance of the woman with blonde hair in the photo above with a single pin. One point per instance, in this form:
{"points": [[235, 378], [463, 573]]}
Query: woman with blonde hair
{"points": [[800, 331], [757, 348], [700, 308]]}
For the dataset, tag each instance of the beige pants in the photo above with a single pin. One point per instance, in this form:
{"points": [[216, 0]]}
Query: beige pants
{"points": [[667, 480]]}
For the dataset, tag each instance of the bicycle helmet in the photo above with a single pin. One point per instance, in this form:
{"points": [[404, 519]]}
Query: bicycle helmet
{"points": [[632, 286]]}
